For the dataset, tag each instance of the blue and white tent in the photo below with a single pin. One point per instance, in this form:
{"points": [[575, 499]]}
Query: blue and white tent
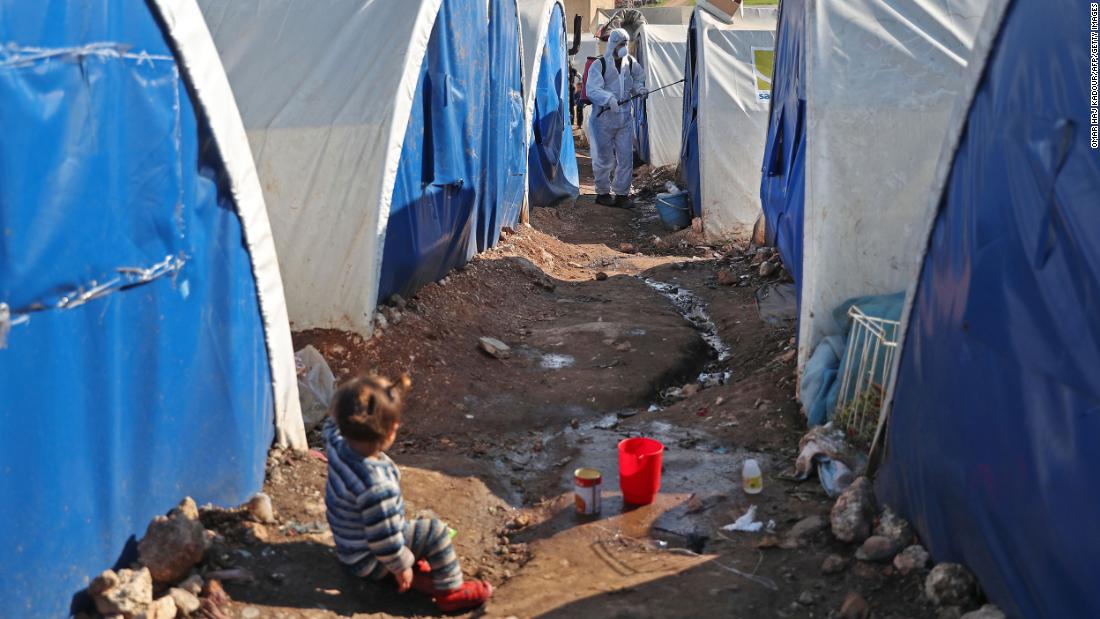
{"points": [[864, 90], [552, 174], [996, 409], [659, 117], [725, 116], [387, 152], [146, 351]]}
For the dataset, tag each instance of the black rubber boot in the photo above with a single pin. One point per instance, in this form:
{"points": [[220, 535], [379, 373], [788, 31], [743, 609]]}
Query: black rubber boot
{"points": [[605, 199], [624, 202]]}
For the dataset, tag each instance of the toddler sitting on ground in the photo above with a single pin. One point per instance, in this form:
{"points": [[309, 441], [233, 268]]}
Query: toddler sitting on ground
{"points": [[364, 505]]}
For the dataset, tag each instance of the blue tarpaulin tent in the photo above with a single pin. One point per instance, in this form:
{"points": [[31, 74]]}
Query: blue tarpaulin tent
{"points": [[439, 176], [996, 412], [782, 181], [506, 154], [387, 152], [146, 347], [552, 160]]}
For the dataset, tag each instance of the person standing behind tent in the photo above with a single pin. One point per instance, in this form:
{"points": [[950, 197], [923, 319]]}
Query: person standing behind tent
{"points": [[611, 80]]}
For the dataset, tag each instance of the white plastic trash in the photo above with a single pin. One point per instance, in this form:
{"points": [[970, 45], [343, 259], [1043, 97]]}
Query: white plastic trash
{"points": [[316, 384]]}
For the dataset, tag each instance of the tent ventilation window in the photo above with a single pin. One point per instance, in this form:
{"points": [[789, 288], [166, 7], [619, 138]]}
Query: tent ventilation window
{"points": [[872, 345]]}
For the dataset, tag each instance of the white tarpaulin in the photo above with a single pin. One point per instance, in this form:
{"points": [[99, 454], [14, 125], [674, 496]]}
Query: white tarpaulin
{"points": [[200, 60], [662, 50], [732, 122], [325, 94], [882, 79]]}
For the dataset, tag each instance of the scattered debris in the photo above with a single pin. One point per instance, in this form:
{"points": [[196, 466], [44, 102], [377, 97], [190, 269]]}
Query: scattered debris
{"points": [[747, 522], [853, 512], [806, 598], [913, 559], [951, 584], [215, 602], [316, 384], [174, 544], [727, 278], [601, 276], [495, 348], [767, 268], [628, 248]]}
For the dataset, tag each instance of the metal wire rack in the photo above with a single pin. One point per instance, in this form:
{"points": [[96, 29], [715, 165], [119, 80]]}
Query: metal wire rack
{"points": [[864, 382]]}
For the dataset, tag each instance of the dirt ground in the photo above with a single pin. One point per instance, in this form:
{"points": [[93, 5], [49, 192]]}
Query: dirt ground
{"points": [[490, 445]]}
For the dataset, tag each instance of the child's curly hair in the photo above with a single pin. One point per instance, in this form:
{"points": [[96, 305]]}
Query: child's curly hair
{"points": [[367, 408]]}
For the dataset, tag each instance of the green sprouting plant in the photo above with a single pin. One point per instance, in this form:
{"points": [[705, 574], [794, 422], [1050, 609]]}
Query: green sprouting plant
{"points": [[859, 416]]}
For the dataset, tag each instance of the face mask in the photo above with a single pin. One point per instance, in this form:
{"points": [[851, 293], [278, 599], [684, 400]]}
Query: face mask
{"points": [[621, 53]]}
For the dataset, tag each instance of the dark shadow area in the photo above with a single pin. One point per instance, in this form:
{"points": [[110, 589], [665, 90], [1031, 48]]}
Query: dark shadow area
{"points": [[311, 577]]}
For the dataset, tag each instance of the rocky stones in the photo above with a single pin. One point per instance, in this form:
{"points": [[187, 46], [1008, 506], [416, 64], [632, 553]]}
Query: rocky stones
{"points": [[161, 608], [989, 611], [126, 593], [854, 607], [628, 248], [259, 507], [804, 530], [834, 564], [174, 544], [192, 585], [601, 276], [495, 348], [806, 598], [768, 268], [186, 602], [913, 559], [878, 548], [727, 278], [894, 528], [853, 512], [951, 584]]}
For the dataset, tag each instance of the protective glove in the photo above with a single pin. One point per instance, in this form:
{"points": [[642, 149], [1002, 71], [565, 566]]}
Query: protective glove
{"points": [[613, 105], [641, 91]]}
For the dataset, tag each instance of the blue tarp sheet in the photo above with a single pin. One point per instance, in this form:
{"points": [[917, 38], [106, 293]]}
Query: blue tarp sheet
{"points": [[552, 160], [782, 184], [505, 156], [115, 409], [439, 176], [996, 419], [689, 149]]}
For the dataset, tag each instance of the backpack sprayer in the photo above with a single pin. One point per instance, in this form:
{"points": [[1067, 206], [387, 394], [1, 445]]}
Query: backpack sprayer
{"points": [[628, 100]]}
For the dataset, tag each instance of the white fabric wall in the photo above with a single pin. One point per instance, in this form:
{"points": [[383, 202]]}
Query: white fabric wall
{"points": [[325, 91], [882, 79], [732, 125], [206, 75], [664, 53]]}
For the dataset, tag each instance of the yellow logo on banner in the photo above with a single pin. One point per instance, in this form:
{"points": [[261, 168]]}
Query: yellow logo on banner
{"points": [[759, 2], [763, 61]]}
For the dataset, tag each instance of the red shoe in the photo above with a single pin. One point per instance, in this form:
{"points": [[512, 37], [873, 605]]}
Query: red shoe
{"points": [[472, 594], [423, 567]]}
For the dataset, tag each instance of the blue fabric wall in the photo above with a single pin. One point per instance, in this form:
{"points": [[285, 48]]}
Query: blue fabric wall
{"points": [[689, 148], [439, 177], [552, 160], [782, 184], [505, 156], [997, 410], [114, 410]]}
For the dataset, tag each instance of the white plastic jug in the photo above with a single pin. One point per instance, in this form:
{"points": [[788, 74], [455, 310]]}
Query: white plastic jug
{"points": [[752, 480]]}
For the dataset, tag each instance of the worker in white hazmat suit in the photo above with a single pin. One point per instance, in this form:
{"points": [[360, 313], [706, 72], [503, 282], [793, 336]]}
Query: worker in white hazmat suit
{"points": [[612, 80]]}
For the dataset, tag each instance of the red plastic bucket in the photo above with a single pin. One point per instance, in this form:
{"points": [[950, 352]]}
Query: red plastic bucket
{"points": [[640, 469]]}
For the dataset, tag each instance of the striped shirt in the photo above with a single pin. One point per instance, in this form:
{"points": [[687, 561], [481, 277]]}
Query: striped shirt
{"points": [[364, 505]]}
